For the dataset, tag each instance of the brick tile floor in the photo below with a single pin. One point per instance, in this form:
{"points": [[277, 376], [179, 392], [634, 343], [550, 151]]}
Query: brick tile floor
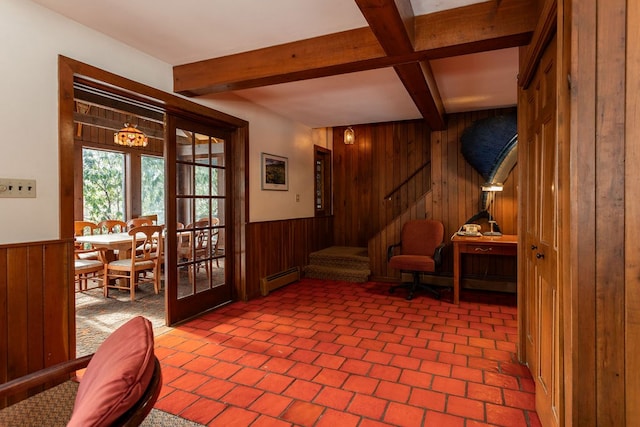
{"points": [[325, 353]]}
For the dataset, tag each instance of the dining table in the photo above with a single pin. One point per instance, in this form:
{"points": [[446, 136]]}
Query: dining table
{"points": [[111, 243]]}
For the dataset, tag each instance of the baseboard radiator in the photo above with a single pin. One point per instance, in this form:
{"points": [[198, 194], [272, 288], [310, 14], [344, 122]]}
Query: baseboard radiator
{"points": [[278, 280]]}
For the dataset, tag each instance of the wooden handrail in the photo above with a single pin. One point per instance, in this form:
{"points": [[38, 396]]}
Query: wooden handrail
{"points": [[403, 183]]}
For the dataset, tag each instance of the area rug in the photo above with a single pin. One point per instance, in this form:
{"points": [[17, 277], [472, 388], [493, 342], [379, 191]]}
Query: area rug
{"points": [[53, 408], [97, 316]]}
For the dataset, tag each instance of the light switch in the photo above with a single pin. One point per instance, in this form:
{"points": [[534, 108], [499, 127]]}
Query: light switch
{"points": [[17, 188]]}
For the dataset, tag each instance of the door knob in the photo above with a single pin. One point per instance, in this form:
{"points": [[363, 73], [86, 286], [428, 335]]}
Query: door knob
{"points": [[534, 247], [539, 255]]}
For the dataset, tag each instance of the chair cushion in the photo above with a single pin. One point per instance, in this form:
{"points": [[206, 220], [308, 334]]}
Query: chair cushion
{"points": [[140, 264], [412, 263], [81, 265], [117, 376]]}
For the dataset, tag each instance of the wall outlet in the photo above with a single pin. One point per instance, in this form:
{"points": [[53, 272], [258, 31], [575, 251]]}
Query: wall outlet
{"points": [[17, 188]]}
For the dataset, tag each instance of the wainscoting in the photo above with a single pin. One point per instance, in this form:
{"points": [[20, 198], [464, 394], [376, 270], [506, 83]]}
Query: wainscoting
{"points": [[275, 246], [37, 317]]}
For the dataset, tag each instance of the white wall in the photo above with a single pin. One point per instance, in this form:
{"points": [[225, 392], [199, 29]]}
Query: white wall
{"points": [[280, 137], [32, 38]]}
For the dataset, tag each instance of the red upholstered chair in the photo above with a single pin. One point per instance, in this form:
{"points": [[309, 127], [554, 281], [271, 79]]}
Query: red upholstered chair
{"points": [[119, 387], [419, 251]]}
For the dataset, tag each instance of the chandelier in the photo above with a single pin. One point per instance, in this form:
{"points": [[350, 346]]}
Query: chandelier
{"points": [[130, 136]]}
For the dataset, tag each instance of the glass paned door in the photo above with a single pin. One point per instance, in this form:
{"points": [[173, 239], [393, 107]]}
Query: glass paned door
{"points": [[198, 211]]}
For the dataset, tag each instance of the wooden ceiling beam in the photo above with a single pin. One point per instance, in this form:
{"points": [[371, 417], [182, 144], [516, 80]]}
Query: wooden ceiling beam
{"points": [[338, 53], [476, 28], [469, 29], [419, 82], [393, 22]]}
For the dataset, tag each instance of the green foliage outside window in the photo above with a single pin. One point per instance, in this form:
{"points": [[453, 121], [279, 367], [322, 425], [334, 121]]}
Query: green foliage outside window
{"points": [[153, 187], [103, 185]]}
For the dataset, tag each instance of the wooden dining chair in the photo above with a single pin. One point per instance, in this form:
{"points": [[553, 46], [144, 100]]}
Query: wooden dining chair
{"points": [[194, 246], [88, 261], [137, 222], [86, 270], [109, 226], [153, 218], [214, 239], [85, 228], [128, 271]]}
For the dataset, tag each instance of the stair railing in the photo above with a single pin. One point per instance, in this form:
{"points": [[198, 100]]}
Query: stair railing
{"points": [[406, 181]]}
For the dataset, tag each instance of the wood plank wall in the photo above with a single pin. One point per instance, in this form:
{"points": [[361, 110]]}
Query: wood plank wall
{"points": [[37, 315], [275, 246], [383, 156]]}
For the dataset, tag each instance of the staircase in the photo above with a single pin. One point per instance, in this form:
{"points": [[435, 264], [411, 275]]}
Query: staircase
{"points": [[346, 263]]}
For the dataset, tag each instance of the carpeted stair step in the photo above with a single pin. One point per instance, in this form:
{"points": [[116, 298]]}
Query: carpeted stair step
{"points": [[339, 263], [341, 257], [335, 273]]}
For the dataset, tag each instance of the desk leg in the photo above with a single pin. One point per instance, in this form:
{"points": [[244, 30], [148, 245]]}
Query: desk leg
{"points": [[456, 274]]}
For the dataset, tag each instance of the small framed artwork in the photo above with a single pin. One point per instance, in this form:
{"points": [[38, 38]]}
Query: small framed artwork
{"points": [[275, 172]]}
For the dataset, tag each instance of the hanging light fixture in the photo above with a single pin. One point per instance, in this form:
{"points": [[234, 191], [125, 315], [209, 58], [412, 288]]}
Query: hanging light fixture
{"points": [[130, 136], [349, 136]]}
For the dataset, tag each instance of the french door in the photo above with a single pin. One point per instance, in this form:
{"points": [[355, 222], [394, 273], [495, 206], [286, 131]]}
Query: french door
{"points": [[197, 268]]}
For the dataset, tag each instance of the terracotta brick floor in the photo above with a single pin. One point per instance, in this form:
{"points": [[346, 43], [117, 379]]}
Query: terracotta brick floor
{"points": [[326, 353]]}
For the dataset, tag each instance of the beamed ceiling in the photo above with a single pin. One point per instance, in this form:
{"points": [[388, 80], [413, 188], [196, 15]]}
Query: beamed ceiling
{"points": [[330, 62]]}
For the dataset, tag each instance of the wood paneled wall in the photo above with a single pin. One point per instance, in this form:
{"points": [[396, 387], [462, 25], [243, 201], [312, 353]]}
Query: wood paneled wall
{"points": [[37, 316], [456, 195], [275, 246], [383, 156], [448, 188]]}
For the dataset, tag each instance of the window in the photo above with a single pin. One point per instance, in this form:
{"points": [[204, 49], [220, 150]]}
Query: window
{"points": [[152, 183], [103, 182], [322, 181]]}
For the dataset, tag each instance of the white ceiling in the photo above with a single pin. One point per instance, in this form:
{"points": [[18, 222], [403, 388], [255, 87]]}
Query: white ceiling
{"points": [[179, 32]]}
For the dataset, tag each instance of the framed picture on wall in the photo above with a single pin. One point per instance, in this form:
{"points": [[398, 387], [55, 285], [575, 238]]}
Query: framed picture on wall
{"points": [[275, 172]]}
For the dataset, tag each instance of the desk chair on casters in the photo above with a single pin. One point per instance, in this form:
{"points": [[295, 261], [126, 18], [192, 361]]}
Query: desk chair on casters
{"points": [[419, 251]]}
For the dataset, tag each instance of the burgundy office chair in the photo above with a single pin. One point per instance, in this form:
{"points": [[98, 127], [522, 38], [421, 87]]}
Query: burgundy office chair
{"points": [[420, 251]]}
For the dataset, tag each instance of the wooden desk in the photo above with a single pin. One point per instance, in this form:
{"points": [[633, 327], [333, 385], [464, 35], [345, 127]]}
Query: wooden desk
{"points": [[506, 245]]}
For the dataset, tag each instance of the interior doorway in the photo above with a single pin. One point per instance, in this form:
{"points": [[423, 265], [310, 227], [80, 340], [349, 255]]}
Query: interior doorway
{"points": [[146, 100], [117, 183]]}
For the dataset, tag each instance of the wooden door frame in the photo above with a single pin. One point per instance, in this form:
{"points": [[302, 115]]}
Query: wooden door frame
{"points": [[69, 69]]}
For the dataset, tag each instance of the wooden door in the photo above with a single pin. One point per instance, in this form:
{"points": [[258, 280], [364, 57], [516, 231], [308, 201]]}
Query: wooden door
{"points": [[541, 294], [197, 267]]}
